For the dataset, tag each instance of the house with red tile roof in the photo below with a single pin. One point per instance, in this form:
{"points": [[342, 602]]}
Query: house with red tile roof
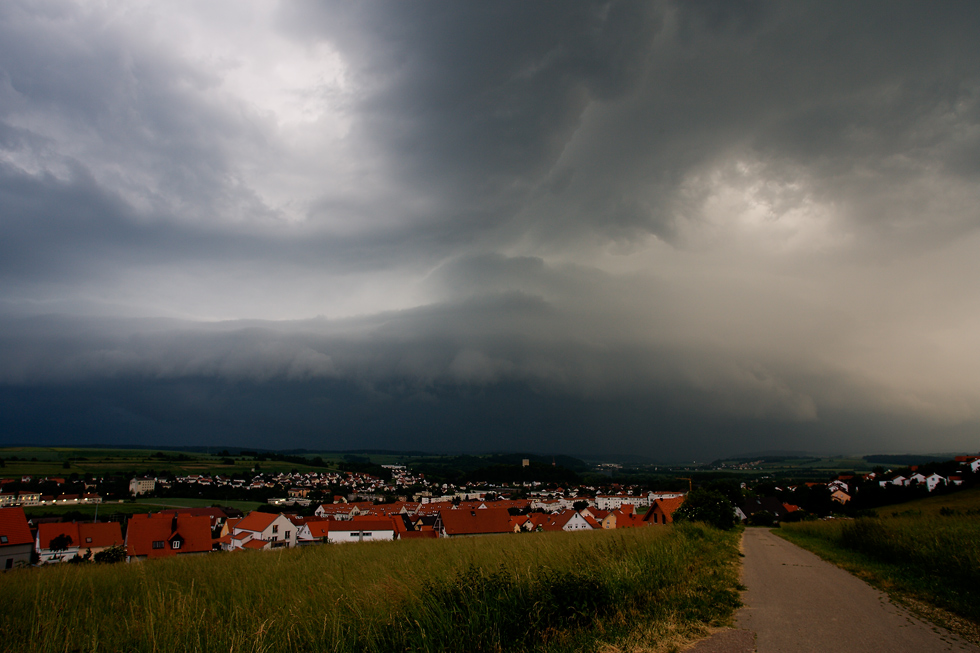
{"points": [[276, 529], [15, 538], [162, 536], [569, 521], [216, 516], [662, 511], [458, 523], [521, 523], [337, 510], [360, 530], [76, 539]]}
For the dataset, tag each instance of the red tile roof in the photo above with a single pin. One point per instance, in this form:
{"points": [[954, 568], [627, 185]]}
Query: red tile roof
{"points": [[361, 525], [82, 535], [476, 522], [99, 535], [48, 532], [144, 530], [257, 545], [14, 528], [256, 521], [214, 514], [664, 507]]}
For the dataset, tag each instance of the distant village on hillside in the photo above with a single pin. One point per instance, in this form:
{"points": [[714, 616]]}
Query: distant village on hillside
{"points": [[333, 507]]}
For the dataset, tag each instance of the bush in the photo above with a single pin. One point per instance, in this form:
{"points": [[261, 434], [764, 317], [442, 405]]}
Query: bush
{"points": [[113, 554], [762, 518], [707, 506]]}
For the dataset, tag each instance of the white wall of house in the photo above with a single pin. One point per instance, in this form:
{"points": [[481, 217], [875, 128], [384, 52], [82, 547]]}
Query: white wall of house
{"points": [[576, 523], [359, 534], [280, 532]]}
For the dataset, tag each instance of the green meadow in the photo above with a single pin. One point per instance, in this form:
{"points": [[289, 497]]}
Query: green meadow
{"points": [[655, 588], [925, 553]]}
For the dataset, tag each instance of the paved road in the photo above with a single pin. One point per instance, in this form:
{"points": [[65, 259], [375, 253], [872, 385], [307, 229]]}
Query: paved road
{"points": [[797, 603]]}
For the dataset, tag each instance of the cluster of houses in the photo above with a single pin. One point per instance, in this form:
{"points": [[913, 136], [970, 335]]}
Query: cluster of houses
{"points": [[300, 484], [34, 498], [186, 531]]}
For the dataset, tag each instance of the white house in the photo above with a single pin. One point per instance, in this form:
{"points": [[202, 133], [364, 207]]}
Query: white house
{"points": [[143, 485], [337, 511], [276, 530], [351, 530]]}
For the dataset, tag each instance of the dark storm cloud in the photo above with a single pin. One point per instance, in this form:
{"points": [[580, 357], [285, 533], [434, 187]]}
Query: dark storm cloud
{"points": [[731, 220]]}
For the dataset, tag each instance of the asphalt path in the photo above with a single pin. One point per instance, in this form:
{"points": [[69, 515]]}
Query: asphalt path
{"points": [[797, 603]]}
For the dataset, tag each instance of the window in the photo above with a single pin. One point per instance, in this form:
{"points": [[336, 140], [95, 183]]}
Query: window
{"points": [[363, 534], [88, 539], [3, 539], [275, 528], [158, 544], [286, 535], [175, 544]]}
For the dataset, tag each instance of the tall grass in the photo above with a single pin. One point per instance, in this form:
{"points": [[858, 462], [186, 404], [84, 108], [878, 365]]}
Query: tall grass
{"points": [[931, 557], [533, 592]]}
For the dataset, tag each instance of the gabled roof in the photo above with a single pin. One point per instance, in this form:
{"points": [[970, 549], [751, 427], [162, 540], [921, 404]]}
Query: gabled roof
{"points": [[144, 530], [663, 507], [99, 535], [476, 522], [48, 532], [213, 513], [14, 528], [256, 521], [82, 535]]}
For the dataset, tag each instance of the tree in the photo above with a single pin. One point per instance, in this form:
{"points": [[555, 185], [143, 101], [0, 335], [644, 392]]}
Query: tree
{"points": [[115, 553], [709, 506], [60, 543], [762, 518]]}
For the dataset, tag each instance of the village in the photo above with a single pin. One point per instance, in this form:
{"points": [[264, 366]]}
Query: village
{"points": [[376, 509]]}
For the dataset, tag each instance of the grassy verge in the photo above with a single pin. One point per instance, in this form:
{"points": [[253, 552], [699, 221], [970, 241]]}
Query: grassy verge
{"points": [[650, 588], [177, 502], [928, 561]]}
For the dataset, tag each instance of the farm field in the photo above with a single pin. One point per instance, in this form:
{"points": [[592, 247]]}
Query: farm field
{"points": [[925, 553], [50, 461], [141, 506], [655, 588], [177, 502]]}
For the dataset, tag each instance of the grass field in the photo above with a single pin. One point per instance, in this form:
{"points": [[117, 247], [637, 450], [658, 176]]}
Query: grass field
{"points": [[140, 506], [49, 461], [173, 502], [925, 553], [603, 590]]}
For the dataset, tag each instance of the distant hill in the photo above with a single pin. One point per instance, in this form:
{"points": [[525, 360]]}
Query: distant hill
{"points": [[907, 459]]}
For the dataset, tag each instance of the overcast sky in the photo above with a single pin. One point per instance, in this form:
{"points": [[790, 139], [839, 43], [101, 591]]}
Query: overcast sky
{"points": [[683, 230]]}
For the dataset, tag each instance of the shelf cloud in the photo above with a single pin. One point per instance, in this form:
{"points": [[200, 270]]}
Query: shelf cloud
{"points": [[679, 229]]}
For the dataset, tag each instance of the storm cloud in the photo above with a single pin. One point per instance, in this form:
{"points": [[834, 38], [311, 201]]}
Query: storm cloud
{"points": [[678, 229]]}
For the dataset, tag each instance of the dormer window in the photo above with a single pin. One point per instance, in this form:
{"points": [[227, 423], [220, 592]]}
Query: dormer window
{"points": [[175, 544]]}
